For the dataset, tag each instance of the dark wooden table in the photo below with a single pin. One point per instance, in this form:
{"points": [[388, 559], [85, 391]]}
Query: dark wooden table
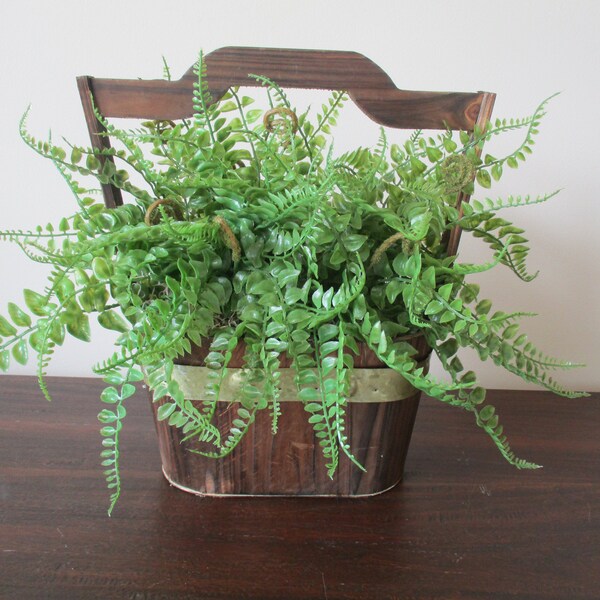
{"points": [[462, 525]]}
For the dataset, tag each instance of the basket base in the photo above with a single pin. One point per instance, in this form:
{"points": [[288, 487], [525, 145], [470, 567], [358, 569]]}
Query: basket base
{"points": [[291, 463], [282, 495]]}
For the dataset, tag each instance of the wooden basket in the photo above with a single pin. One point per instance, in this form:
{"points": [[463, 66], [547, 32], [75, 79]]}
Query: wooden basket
{"points": [[291, 463]]}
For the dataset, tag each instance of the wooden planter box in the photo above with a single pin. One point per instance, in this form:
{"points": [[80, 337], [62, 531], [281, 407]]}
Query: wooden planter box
{"points": [[291, 462]]}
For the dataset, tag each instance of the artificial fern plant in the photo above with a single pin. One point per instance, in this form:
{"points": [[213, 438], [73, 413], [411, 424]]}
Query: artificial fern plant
{"points": [[249, 228]]}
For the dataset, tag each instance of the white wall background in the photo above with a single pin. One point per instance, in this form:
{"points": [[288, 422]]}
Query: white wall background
{"points": [[523, 50]]}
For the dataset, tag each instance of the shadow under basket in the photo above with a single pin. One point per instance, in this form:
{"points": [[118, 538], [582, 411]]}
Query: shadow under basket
{"points": [[291, 462]]}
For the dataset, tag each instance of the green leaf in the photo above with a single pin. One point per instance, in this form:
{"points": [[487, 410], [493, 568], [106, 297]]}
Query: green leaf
{"points": [[20, 318], [329, 347], [6, 329], [58, 152], [35, 340], [434, 307], [433, 154], [428, 277], [308, 395], [327, 297], [497, 172], [65, 289], [165, 411], [520, 340], [469, 292], [510, 331], [75, 155], [101, 268], [78, 325], [110, 395], [107, 416], [111, 320], [135, 375], [484, 307], [228, 106], [337, 256], [484, 179], [449, 144], [393, 289], [57, 332], [447, 317], [4, 360], [86, 299], [359, 308], [92, 163], [328, 332], [487, 412], [35, 302], [507, 352], [445, 291], [477, 395], [260, 288], [375, 335], [293, 294], [100, 297], [317, 297], [127, 391], [459, 326], [298, 315], [20, 352], [354, 242], [253, 115]]}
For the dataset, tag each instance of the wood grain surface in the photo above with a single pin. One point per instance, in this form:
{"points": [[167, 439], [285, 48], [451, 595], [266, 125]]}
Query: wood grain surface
{"points": [[367, 84], [292, 462], [462, 525]]}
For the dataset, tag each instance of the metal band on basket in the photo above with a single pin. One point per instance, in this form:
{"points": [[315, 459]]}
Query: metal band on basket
{"points": [[366, 385]]}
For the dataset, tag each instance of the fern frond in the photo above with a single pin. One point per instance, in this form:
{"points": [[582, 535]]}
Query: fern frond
{"points": [[112, 421], [343, 370], [166, 69], [481, 225], [493, 164], [326, 119], [354, 159], [274, 87], [202, 98], [487, 205], [488, 421], [379, 162], [179, 411], [471, 269]]}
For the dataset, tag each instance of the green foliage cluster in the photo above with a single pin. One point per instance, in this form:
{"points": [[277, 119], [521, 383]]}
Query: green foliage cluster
{"points": [[270, 239]]}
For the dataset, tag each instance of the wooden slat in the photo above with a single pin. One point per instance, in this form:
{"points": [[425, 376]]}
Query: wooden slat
{"points": [[485, 112], [294, 68], [143, 99], [419, 110], [112, 194], [367, 84]]}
